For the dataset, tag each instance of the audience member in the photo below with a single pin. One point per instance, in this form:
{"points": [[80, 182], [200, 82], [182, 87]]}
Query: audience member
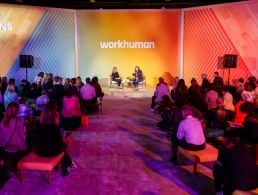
{"points": [[71, 111], [10, 95], [13, 136], [248, 93], [96, 85], [89, 98], [211, 97], [49, 141], [181, 94], [57, 93], [161, 90], [235, 168]]}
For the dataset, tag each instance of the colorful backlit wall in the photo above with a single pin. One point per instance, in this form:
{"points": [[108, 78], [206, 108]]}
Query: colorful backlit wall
{"points": [[148, 39], [126, 38]]}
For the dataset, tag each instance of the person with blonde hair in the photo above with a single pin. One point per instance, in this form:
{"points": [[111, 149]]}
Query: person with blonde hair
{"points": [[115, 76]]}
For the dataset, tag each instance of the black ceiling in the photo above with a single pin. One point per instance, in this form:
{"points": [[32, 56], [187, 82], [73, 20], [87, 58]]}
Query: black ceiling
{"points": [[118, 4]]}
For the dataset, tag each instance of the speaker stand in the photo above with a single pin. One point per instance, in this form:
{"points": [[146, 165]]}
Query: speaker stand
{"points": [[228, 76], [26, 73]]}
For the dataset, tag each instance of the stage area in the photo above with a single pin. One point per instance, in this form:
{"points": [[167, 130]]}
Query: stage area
{"points": [[119, 152]]}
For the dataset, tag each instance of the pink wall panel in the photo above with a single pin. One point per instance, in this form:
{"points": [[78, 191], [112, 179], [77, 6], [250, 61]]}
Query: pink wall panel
{"points": [[205, 42], [240, 23]]}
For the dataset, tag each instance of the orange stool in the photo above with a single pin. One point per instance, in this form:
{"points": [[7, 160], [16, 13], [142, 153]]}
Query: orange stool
{"points": [[208, 154], [85, 120], [38, 163]]}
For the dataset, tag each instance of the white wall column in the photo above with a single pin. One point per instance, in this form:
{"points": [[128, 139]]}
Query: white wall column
{"points": [[181, 44], [77, 42]]}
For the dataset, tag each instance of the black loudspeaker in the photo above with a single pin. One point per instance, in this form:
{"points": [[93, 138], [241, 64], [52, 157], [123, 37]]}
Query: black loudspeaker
{"points": [[26, 61], [230, 61]]}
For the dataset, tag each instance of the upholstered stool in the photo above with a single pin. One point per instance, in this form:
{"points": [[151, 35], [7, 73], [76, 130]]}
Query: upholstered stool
{"points": [[208, 154], [34, 162]]}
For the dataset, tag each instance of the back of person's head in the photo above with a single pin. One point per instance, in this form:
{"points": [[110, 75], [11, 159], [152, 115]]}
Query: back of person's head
{"points": [[11, 81], [232, 137], [204, 76], [216, 73], [73, 81], [220, 102], [241, 80], [95, 80], [181, 83], [41, 74], [69, 92], [248, 108], [161, 80], [248, 86], [193, 81], [22, 100], [11, 112], [87, 80], [57, 79], [187, 111], [50, 114]]}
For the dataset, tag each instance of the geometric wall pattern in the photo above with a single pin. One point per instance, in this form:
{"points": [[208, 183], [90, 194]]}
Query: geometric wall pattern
{"points": [[52, 45], [205, 43], [209, 33]]}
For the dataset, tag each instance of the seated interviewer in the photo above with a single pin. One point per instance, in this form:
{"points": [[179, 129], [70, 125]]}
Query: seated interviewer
{"points": [[190, 133]]}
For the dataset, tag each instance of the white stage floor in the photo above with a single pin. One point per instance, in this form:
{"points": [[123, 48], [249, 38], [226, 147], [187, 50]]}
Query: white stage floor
{"points": [[130, 92]]}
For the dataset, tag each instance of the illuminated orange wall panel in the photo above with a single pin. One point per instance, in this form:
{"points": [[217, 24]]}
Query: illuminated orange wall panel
{"points": [[239, 22], [205, 43], [159, 27]]}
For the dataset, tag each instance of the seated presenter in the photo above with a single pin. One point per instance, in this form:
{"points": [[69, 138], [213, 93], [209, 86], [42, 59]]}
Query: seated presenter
{"points": [[115, 76], [138, 76]]}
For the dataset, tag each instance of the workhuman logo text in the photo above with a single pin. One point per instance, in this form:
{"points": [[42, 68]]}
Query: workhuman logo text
{"points": [[127, 44]]}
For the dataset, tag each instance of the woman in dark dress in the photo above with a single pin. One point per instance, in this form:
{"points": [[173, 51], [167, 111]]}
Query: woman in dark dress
{"points": [[138, 76]]}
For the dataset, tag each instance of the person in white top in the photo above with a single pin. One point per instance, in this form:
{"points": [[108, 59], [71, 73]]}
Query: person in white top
{"points": [[89, 98], [161, 90], [190, 133]]}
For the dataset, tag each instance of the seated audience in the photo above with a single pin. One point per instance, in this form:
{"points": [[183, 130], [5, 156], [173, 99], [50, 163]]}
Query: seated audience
{"points": [[211, 98], [161, 90], [71, 111], [49, 141], [166, 111], [190, 131], [41, 102], [10, 95], [235, 168], [195, 94], [88, 97], [178, 117], [181, 94], [57, 93], [218, 120], [96, 85], [248, 93], [13, 136]]}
